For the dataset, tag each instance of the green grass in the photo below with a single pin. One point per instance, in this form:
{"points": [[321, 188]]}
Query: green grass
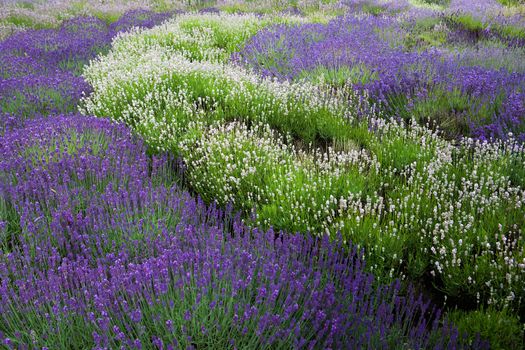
{"points": [[433, 4], [25, 5], [427, 32], [512, 31], [446, 110], [9, 225], [476, 25], [373, 9], [24, 21], [37, 100], [501, 328], [339, 77], [511, 2], [107, 17]]}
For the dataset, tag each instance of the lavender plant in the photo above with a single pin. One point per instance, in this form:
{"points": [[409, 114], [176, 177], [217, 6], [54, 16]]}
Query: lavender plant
{"points": [[197, 82], [119, 257], [139, 18], [98, 163]]}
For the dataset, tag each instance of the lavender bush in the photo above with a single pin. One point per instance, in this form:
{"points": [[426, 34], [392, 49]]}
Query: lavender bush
{"points": [[120, 258], [139, 18], [98, 163], [390, 187]]}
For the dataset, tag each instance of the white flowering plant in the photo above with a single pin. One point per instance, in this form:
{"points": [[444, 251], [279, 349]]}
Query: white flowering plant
{"points": [[303, 157]]}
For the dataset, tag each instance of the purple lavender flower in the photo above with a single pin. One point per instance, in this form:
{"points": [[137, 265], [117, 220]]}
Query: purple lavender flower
{"points": [[108, 244], [102, 251], [138, 18], [136, 316], [105, 242]]}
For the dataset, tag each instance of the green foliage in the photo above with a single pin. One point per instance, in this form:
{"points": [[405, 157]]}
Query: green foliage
{"points": [[108, 17], [24, 21], [512, 31], [476, 25], [254, 168], [162, 5], [427, 32], [26, 5], [339, 77], [444, 109], [469, 22], [373, 9], [501, 328], [398, 151], [20, 103], [451, 111], [199, 4], [438, 5], [511, 2], [221, 37], [167, 315], [9, 224], [436, 2]]}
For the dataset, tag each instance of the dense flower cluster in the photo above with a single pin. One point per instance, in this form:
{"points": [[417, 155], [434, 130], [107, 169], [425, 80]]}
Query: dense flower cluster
{"points": [[491, 11], [18, 15]]}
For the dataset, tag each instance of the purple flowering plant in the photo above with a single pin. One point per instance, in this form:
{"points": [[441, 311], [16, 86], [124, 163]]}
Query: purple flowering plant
{"points": [[119, 257]]}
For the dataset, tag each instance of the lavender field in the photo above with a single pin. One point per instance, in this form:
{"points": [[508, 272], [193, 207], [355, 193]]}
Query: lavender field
{"points": [[275, 174]]}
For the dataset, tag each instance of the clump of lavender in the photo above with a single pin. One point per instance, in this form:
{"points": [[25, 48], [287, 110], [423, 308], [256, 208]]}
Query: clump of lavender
{"points": [[78, 186], [364, 51], [138, 18], [119, 257], [76, 41], [36, 65], [419, 205], [33, 95], [289, 52]]}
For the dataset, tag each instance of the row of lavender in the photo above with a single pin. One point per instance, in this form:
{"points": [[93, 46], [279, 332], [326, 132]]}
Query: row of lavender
{"points": [[40, 69], [437, 69], [101, 250]]}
